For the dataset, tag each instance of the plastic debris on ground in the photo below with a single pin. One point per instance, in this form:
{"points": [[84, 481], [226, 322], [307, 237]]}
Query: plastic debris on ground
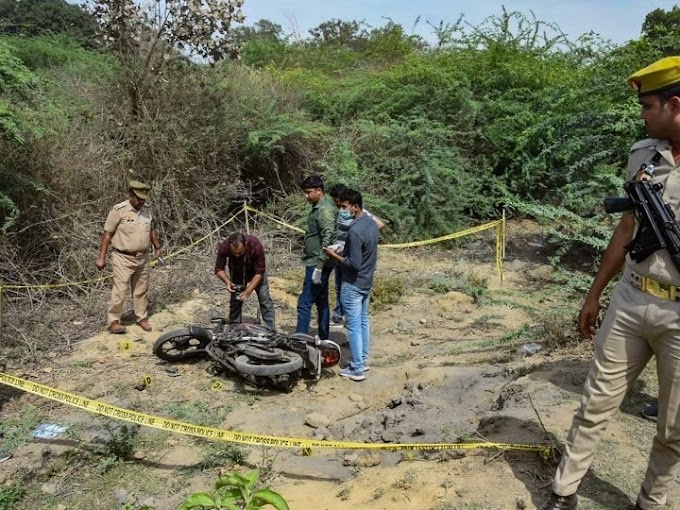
{"points": [[48, 431]]}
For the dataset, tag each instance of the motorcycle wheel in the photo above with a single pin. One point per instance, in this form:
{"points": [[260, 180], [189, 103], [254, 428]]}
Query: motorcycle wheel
{"points": [[177, 345], [246, 365]]}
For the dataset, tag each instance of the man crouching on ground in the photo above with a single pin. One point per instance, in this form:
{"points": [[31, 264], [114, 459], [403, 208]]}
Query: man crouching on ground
{"points": [[243, 255]]}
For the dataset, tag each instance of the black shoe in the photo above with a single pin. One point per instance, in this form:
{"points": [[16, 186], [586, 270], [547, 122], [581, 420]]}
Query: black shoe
{"points": [[651, 412], [556, 502]]}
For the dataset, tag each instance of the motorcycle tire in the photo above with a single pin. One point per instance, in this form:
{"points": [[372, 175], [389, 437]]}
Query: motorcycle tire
{"points": [[244, 364], [178, 345]]}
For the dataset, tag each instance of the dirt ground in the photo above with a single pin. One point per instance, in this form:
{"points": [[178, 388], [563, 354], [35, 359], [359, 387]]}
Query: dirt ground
{"points": [[444, 369]]}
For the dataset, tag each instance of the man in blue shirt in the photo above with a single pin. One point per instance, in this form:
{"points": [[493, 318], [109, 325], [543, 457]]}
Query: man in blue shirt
{"points": [[357, 262], [345, 220]]}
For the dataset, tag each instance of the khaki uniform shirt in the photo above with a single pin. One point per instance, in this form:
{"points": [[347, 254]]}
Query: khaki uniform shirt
{"points": [[658, 265], [131, 229]]}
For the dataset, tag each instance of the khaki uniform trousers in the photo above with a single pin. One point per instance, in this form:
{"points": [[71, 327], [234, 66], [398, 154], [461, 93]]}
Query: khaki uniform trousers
{"points": [[636, 326], [129, 272]]}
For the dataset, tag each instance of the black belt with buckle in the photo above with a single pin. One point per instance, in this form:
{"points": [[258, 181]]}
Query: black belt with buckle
{"points": [[132, 253], [657, 289]]}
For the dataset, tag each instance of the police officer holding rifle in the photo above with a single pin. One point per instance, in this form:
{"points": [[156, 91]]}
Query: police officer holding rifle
{"points": [[643, 319]]}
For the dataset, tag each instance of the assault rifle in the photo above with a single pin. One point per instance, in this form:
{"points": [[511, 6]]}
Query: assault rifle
{"points": [[657, 226]]}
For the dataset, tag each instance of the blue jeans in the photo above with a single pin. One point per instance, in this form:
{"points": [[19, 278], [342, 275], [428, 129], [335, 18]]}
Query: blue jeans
{"points": [[313, 294], [355, 302], [338, 313]]}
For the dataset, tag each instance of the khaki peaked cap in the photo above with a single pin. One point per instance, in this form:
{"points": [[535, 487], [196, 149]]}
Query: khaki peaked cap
{"points": [[140, 189]]}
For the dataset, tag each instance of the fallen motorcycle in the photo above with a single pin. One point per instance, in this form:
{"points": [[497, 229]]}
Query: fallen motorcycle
{"points": [[258, 355]]}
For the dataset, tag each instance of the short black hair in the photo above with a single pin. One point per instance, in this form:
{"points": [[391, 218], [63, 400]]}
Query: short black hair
{"points": [[237, 239], [353, 197], [337, 190], [312, 181], [667, 93]]}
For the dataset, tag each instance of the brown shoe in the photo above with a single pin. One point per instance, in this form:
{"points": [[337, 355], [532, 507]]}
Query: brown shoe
{"points": [[117, 328], [145, 325]]}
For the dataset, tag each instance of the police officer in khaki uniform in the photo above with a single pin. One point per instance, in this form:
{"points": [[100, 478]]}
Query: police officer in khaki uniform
{"points": [[129, 229], [643, 319]]}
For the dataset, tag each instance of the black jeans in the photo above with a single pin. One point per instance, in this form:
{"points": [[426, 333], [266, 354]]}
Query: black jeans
{"points": [[266, 305]]}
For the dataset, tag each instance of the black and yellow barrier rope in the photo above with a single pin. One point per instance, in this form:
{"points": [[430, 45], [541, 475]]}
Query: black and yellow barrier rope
{"points": [[245, 438]]}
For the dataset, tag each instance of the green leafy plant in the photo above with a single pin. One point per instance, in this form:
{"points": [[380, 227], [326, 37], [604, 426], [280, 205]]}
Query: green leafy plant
{"points": [[471, 284], [123, 441], [10, 496], [441, 285], [557, 328], [236, 491], [407, 482], [119, 447], [14, 433], [219, 455], [386, 292]]}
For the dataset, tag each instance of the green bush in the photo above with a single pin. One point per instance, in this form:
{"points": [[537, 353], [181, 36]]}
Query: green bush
{"points": [[441, 285], [437, 138], [386, 291], [10, 496]]}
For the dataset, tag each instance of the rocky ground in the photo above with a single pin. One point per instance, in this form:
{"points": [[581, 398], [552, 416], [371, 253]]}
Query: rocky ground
{"points": [[448, 365]]}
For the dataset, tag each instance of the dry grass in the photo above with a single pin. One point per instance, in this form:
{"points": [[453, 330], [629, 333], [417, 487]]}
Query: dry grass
{"points": [[37, 320]]}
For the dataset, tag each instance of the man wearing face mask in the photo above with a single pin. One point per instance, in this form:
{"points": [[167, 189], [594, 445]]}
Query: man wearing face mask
{"points": [[243, 256], [344, 221], [357, 262]]}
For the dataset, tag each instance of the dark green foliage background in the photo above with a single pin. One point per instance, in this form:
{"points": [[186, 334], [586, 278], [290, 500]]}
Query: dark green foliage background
{"points": [[437, 136]]}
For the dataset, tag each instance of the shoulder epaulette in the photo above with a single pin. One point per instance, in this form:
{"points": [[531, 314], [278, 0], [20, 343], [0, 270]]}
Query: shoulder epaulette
{"points": [[121, 205], [647, 142]]}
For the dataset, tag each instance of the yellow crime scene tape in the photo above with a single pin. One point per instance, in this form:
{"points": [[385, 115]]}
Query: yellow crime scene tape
{"points": [[246, 438], [45, 286], [499, 224], [447, 237], [273, 218]]}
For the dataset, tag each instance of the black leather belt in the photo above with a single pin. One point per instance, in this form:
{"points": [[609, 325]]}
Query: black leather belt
{"points": [[132, 253]]}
